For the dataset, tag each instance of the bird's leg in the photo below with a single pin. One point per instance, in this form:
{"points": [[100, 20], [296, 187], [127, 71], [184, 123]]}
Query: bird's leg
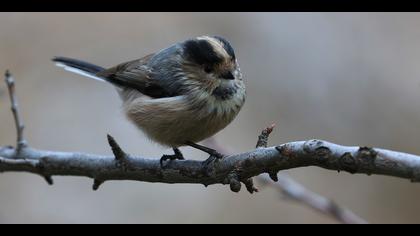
{"points": [[214, 155], [210, 151], [176, 156]]}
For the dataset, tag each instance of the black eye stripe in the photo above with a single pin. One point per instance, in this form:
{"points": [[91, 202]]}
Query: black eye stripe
{"points": [[201, 52]]}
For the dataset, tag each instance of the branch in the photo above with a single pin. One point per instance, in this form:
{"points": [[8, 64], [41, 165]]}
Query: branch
{"points": [[21, 142], [295, 191], [238, 167], [231, 170]]}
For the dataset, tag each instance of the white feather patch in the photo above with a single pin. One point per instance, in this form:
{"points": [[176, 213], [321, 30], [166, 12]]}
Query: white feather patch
{"points": [[80, 72]]}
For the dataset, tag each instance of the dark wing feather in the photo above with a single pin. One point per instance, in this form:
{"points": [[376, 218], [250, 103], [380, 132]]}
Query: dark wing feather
{"points": [[136, 75]]}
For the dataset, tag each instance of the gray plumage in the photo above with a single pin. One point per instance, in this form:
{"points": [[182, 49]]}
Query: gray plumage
{"points": [[184, 93]]}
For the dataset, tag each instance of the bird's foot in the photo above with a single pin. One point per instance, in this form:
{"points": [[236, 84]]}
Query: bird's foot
{"points": [[176, 156], [214, 156]]}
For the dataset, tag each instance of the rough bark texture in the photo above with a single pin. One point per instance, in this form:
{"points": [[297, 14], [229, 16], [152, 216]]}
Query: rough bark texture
{"points": [[230, 170]]}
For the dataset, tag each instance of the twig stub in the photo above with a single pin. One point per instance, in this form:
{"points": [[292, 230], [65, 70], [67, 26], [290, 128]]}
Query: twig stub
{"points": [[263, 137], [273, 176], [249, 184], [96, 184], [234, 183], [49, 179], [116, 149]]}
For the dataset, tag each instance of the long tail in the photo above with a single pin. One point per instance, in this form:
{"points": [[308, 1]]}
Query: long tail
{"points": [[79, 67]]}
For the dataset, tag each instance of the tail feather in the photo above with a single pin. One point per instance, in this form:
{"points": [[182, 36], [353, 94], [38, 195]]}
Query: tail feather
{"points": [[79, 67], [78, 64]]}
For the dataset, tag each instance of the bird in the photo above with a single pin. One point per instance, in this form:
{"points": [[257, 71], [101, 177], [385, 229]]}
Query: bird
{"points": [[178, 96]]}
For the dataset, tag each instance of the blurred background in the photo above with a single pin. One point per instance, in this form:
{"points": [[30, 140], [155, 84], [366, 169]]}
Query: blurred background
{"points": [[350, 78]]}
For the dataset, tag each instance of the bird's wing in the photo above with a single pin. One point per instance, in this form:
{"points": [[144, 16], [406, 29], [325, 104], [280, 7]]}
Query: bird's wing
{"points": [[136, 75]]}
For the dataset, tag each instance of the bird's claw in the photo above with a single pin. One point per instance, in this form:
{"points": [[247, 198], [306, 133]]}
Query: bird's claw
{"points": [[177, 156], [214, 156]]}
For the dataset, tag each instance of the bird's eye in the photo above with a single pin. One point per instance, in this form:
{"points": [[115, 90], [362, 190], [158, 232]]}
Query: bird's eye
{"points": [[227, 75], [208, 69]]}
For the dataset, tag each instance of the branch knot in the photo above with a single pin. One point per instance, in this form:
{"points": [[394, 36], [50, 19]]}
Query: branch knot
{"points": [[349, 163], [234, 182]]}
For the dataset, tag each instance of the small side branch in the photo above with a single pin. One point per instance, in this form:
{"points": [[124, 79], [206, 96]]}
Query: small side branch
{"points": [[293, 190], [21, 142], [263, 137]]}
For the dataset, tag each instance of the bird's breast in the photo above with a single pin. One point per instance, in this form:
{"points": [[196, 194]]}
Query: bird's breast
{"points": [[193, 117]]}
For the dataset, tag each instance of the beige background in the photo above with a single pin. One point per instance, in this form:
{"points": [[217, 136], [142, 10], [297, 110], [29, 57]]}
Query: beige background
{"points": [[350, 78]]}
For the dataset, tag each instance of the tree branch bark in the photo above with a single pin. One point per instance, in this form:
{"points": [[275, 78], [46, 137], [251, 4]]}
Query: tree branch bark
{"points": [[230, 170]]}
